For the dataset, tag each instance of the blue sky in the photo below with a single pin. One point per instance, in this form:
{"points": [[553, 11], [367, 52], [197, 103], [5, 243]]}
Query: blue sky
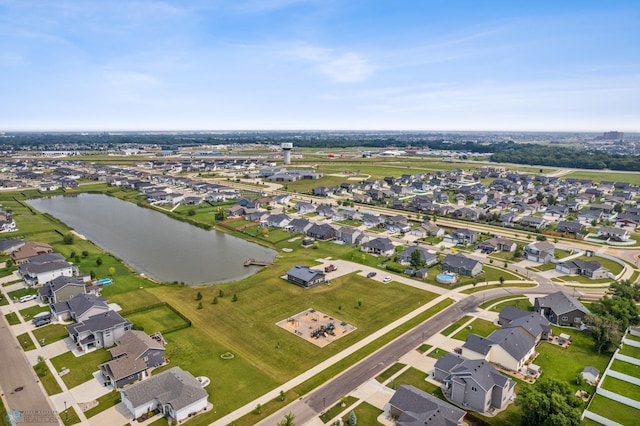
{"points": [[319, 64]]}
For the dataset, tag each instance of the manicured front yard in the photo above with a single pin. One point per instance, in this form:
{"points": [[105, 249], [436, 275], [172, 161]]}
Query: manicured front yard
{"points": [[366, 414], [104, 402], [29, 313], [384, 376], [337, 409], [50, 333], [437, 353], [12, 318], [47, 379], [80, 368], [479, 326], [26, 342], [69, 417], [523, 304], [17, 294]]}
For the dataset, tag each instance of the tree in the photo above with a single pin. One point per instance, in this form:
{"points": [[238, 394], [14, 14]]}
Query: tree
{"points": [[605, 331], [617, 208], [288, 420], [353, 420], [220, 293], [549, 402], [416, 259], [258, 409], [92, 274], [501, 279], [199, 296], [68, 238], [85, 253], [112, 270], [191, 212], [199, 305], [281, 395], [215, 300], [359, 303], [99, 261], [234, 298]]}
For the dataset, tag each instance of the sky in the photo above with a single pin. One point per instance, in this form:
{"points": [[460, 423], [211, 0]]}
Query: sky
{"points": [[76, 65]]}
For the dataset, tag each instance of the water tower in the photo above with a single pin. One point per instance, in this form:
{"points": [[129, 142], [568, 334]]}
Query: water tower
{"points": [[286, 152]]}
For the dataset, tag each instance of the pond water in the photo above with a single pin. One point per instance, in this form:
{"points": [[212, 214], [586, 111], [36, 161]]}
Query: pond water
{"points": [[152, 243]]}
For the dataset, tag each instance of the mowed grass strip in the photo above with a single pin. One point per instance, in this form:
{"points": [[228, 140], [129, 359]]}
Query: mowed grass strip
{"points": [[621, 387], [479, 326], [26, 342], [104, 402], [614, 410], [12, 318], [631, 351], [386, 374], [492, 286], [456, 325], [626, 368], [80, 368], [366, 414], [491, 302], [338, 408], [156, 319]]}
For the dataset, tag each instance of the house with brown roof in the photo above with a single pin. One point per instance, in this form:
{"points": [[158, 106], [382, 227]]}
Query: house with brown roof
{"points": [[29, 250]]}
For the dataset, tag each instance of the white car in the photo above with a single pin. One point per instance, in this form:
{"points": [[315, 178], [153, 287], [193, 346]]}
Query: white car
{"points": [[386, 279], [28, 298]]}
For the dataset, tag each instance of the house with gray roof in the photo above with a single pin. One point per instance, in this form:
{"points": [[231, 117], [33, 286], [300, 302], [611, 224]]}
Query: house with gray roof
{"points": [[321, 231], [79, 307], [175, 392], [304, 276], [133, 356], [539, 251], [460, 264], [299, 225], [40, 273], [590, 269], [379, 246], [561, 309], [348, 235], [411, 406], [615, 234], [304, 207], [61, 289], [99, 331], [426, 257], [498, 244], [473, 384], [570, 227], [531, 323], [533, 222], [9, 246]]}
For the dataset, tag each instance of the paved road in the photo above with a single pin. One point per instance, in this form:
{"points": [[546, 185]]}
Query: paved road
{"points": [[16, 372], [325, 396]]}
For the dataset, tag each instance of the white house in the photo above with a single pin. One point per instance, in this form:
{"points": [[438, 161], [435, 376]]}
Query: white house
{"points": [[175, 392], [35, 274]]}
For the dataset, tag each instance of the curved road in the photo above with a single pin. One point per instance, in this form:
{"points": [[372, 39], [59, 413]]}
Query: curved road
{"points": [[326, 395]]}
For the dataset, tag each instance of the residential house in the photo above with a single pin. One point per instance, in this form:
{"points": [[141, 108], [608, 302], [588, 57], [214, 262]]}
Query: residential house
{"points": [[304, 276], [379, 246], [348, 235], [570, 227], [626, 219], [589, 216], [299, 225], [508, 348], [561, 309], [473, 384], [321, 231], [397, 224], [175, 393], [304, 207], [557, 211], [79, 308], [372, 221], [590, 269], [39, 273], [533, 222], [61, 289], [460, 264], [426, 257], [29, 250], [134, 355], [411, 406], [99, 331], [616, 234], [533, 324], [498, 244], [464, 236], [427, 229], [9, 246], [325, 211], [277, 221], [539, 251]]}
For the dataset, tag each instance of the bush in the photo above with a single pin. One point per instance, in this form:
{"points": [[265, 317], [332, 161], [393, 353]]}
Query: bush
{"points": [[395, 267], [68, 238], [85, 253]]}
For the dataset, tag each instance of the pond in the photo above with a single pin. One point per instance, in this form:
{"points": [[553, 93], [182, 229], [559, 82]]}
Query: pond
{"points": [[154, 244]]}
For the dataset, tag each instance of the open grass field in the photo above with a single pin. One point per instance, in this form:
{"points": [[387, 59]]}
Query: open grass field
{"points": [[490, 302], [599, 176], [613, 410], [157, 319], [80, 368], [566, 363], [479, 326], [50, 333]]}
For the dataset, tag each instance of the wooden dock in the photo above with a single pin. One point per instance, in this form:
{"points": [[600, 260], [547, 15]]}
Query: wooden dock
{"points": [[253, 262]]}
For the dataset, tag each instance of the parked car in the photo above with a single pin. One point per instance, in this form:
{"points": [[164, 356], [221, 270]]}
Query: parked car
{"points": [[371, 274], [386, 279], [330, 268], [28, 297]]}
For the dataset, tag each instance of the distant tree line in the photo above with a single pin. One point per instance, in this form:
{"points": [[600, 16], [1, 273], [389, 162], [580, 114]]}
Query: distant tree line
{"points": [[565, 157]]}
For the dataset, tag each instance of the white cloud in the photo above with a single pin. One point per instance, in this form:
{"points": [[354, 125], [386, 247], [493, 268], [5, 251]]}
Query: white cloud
{"points": [[347, 67]]}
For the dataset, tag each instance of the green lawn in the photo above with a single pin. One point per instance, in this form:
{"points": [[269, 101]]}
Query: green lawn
{"points": [[12, 318], [3, 415], [437, 353], [565, 364], [543, 267], [424, 347], [29, 313], [632, 337], [17, 294], [626, 368], [104, 402], [337, 409], [414, 377], [80, 368], [26, 342], [523, 304], [47, 379], [366, 414], [157, 319], [596, 175], [4, 301], [479, 326], [50, 333], [384, 376], [490, 302], [69, 417], [489, 287], [613, 410], [621, 387], [456, 325], [630, 351]]}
